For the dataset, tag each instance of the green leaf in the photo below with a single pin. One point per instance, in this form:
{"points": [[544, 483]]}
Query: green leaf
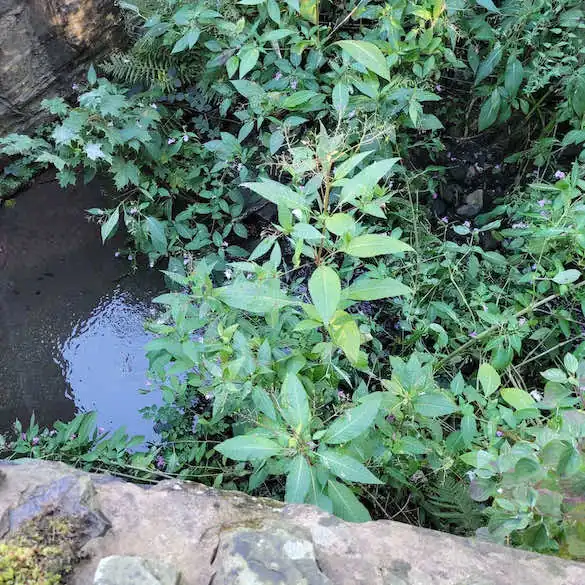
{"points": [[342, 170], [489, 111], [486, 67], [325, 290], [295, 404], [517, 398], [187, 41], [345, 333], [249, 448], [278, 194], [248, 59], [434, 404], [488, 378], [370, 245], [368, 55], [309, 9], [347, 467], [345, 503], [555, 375], [340, 223], [372, 289], [276, 141], [298, 480], [263, 402], [513, 76], [364, 182], [91, 75], [109, 227], [273, 10], [125, 171], [156, 229], [255, 297], [340, 97], [305, 231], [248, 89], [567, 276], [488, 5], [352, 423]]}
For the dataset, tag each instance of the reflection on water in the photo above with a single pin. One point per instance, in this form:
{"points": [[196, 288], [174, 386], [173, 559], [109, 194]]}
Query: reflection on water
{"points": [[104, 363]]}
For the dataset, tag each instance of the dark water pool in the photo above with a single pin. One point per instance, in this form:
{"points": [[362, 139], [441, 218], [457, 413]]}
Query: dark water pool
{"points": [[71, 314]]}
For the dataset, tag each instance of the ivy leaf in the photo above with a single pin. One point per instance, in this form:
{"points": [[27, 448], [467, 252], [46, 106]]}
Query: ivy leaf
{"points": [[370, 245], [353, 422], [368, 55], [125, 171], [94, 151], [63, 134], [298, 480], [295, 404], [249, 448], [347, 467], [325, 291], [345, 503], [109, 227], [278, 194], [488, 378], [372, 289], [434, 404]]}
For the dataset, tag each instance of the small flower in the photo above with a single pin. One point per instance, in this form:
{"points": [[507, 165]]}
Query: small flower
{"points": [[293, 84], [133, 211], [499, 433], [160, 462], [467, 224], [130, 257], [154, 106], [445, 219], [23, 436], [484, 307], [73, 437], [435, 195], [75, 87], [101, 430], [533, 267], [536, 395], [297, 213], [52, 433], [224, 244], [500, 491], [171, 141], [186, 261], [185, 138], [521, 321], [544, 213], [390, 418], [209, 396], [542, 202], [228, 273], [497, 167], [473, 334], [341, 395], [117, 254], [351, 114], [438, 88], [560, 175], [278, 76], [151, 264], [520, 225], [36, 441]]}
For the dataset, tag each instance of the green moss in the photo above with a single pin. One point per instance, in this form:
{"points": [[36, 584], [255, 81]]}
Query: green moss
{"points": [[40, 553]]}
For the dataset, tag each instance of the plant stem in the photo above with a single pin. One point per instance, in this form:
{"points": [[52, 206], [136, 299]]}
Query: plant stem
{"points": [[493, 328]]}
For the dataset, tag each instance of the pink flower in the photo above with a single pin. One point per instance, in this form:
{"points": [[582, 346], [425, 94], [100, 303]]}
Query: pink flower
{"points": [[435, 195], [467, 224], [445, 219], [160, 462], [293, 84], [185, 138], [542, 202], [36, 441], [171, 141], [438, 88], [521, 321], [473, 334], [560, 175], [278, 76]]}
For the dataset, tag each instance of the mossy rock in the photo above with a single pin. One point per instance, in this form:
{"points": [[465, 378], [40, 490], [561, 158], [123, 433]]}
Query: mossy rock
{"points": [[42, 552]]}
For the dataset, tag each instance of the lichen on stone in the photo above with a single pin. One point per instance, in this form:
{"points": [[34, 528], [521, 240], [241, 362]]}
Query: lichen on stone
{"points": [[41, 552]]}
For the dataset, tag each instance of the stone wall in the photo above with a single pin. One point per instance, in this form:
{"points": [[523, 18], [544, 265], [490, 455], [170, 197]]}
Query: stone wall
{"points": [[45, 45], [188, 534]]}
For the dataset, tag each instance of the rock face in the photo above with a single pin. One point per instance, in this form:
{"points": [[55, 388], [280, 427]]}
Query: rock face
{"points": [[227, 538], [45, 46]]}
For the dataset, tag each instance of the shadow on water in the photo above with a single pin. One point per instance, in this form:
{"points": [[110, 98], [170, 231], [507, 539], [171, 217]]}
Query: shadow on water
{"points": [[71, 314]]}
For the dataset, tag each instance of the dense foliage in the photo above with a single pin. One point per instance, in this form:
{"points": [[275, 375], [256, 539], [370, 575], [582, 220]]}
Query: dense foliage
{"points": [[377, 347]]}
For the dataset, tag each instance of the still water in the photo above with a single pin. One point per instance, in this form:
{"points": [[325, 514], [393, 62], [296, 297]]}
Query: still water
{"points": [[71, 314]]}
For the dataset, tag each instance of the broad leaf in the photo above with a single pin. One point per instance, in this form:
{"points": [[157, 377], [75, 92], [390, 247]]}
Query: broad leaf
{"points": [[347, 467], [371, 245], [340, 223], [372, 289], [345, 333], [248, 59], [363, 183], [156, 228], [513, 76], [295, 404], [298, 480], [486, 67], [567, 276], [109, 227], [434, 404], [368, 55], [249, 448], [278, 194], [488, 378], [489, 111], [305, 231], [517, 398], [352, 423], [342, 170], [345, 503], [325, 290], [255, 297]]}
